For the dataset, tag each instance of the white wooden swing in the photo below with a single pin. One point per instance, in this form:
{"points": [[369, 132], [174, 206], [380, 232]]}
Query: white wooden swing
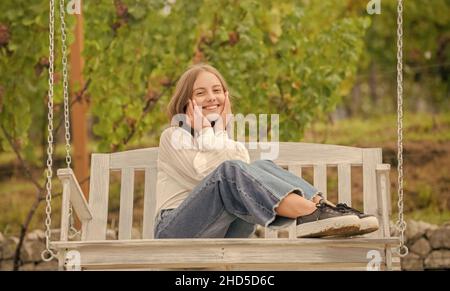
{"points": [[270, 253]]}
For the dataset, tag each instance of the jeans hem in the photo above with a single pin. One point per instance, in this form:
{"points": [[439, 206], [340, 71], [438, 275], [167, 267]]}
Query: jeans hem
{"points": [[274, 213]]}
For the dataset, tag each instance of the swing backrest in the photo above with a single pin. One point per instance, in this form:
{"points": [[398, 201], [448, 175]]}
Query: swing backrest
{"points": [[293, 156]]}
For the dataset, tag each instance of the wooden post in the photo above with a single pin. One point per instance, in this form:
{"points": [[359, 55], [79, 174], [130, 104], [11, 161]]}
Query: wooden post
{"points": [[79, 108]]}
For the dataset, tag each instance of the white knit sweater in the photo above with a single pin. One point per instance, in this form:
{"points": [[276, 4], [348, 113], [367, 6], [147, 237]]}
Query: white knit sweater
{"points": [[184, 160]]}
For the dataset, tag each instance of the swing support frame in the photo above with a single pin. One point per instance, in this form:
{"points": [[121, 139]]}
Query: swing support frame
{"points": [[98, 253]]}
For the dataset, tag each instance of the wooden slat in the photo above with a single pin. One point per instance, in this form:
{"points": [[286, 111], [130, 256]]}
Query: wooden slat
{"points": [[126, 203], [270, 233], [396, 262], [383, 189], [309, 154], [65, 210], [293, 230], [61, 255], [149, 201], [344, 184], [371, 157], [320, 178], [306, 154], [79, 203], [386, 168], [137, 159], [98, 197], [388, 260], [340, 266], [356, 241], [245, 267], [295, 169], [192, 253]]}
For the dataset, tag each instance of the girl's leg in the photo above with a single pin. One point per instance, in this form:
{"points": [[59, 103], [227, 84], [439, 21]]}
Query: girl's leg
{"points": [[236, 189], [308, 190], [293, 206], [240, 229], [233, 189], [368, 223]]}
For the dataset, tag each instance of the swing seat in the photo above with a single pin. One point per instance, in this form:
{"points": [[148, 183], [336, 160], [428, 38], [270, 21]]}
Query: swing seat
{"points": [[270, 253]]}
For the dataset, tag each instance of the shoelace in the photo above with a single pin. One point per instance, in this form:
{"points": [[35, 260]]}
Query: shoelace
{"points": [[324, 207], [345, 208]]}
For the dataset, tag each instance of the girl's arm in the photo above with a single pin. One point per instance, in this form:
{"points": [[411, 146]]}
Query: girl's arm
{"points": [[177, 150]]}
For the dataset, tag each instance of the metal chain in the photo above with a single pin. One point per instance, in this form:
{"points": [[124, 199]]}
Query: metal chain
{"points": [[65, 82], [401, 224], [48, 254], [72, 230]]}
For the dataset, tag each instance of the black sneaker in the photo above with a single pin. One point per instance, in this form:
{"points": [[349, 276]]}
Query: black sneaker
{"points": [[327, 221], [369, 223]]}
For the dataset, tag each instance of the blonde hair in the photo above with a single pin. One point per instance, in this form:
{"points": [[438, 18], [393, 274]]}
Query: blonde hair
{"points": [[185, 85]]}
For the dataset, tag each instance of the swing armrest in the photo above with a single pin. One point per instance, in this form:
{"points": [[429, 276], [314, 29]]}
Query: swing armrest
{"points": [[384, 170], [384, 197], [76, 196]]}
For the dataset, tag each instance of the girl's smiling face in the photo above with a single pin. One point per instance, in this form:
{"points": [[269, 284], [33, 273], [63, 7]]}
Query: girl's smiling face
{"points": [[208, 93]]}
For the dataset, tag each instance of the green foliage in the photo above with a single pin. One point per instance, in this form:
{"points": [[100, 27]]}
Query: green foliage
{"points": [[426, 26], [23, 73], [282, 57], [281, 63], [133, 57], [273, 55]]}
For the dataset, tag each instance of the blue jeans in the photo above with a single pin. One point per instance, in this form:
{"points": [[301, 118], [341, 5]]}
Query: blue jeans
{"points": [[231, 200]]}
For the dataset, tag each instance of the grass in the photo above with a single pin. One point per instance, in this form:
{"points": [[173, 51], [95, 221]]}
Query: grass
{"points": [[16, 197], [430, 215], [382, 129]]}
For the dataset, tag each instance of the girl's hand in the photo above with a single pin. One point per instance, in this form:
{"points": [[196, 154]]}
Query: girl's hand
{"points": [[195, 117], [226, 113]]}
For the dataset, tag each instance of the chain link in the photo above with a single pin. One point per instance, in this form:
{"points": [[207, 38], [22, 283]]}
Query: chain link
{"points": [[401, 224], [49, 254], [65, 82], [72, 230]]}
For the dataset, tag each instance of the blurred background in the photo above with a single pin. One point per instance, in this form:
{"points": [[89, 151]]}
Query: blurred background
{"points": [[327, 67]]}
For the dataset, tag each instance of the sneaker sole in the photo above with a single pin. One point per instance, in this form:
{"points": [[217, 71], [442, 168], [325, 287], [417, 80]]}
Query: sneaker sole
{"points": [[367, 225], [336, 226]]}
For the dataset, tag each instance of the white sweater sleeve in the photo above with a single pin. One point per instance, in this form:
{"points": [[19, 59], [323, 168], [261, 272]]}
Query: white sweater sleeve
{"points": [[196, 158], [208, 140]]}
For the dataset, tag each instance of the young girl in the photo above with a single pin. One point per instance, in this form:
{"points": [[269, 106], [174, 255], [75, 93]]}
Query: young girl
{"points": [[208, 188]]}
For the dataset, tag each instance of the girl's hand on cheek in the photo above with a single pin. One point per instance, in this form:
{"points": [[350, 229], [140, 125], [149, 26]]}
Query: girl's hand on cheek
{"points": [[226, 112], [195, 116]]}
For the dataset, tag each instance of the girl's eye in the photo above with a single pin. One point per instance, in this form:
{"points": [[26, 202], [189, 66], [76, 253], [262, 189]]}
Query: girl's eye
{"points": [[217, 91]]}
